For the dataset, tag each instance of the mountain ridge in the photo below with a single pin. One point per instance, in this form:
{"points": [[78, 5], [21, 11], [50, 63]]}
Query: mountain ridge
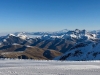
{"points": [[63, 41]]}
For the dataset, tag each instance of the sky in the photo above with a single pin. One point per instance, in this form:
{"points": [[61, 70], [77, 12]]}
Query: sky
{"points": [[49, 15]]}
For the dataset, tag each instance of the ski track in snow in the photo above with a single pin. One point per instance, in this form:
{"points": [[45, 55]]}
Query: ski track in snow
{"points": [[43, 67]]}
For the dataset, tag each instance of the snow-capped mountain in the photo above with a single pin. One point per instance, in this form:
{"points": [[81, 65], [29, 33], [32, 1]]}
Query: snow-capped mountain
{"points": [[12, 38], [71, 35], [74, 44], [76, 35], [65, 34]]}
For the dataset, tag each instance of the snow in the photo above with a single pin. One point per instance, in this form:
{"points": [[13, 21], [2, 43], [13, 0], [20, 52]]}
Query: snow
{"points": [[22, 36], [44, 67], [8, 36], [4, 40], [89, 51], [15, 44], [28, 46], [11, 35]]}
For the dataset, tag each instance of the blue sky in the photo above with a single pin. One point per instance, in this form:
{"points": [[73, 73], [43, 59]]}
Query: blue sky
{"points": [[49, 15]]}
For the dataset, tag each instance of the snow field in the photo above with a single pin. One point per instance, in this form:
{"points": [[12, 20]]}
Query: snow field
{"points": [[44, 67]]}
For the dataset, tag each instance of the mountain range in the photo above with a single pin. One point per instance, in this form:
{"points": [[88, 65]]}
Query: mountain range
{"points": [[59, 45]]}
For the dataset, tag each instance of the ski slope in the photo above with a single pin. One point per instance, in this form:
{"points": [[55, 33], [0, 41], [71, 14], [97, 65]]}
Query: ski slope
{"points": [[43, 67]]}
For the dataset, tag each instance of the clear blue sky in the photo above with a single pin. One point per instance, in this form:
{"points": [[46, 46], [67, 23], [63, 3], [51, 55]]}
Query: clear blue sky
{"points": [[49, 15]]}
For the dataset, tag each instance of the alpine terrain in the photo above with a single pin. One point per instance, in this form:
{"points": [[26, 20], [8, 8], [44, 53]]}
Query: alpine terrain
{"points": [[59, 45]]}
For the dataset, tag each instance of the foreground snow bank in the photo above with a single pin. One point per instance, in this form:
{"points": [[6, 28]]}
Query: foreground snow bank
{"points": [[44, 67]]}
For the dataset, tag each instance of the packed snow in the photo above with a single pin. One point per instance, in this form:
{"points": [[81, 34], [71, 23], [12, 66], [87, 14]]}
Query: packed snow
{"points": [[44, 67], [82, 51]]}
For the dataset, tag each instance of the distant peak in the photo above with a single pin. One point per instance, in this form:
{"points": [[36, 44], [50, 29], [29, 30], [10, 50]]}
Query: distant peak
{"points": [[77, 30], [11, 35], [64, 30], [22, 35]]}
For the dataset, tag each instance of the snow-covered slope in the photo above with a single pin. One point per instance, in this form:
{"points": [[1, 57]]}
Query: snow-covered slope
{"points": [[82, 51], [35, 67]]}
